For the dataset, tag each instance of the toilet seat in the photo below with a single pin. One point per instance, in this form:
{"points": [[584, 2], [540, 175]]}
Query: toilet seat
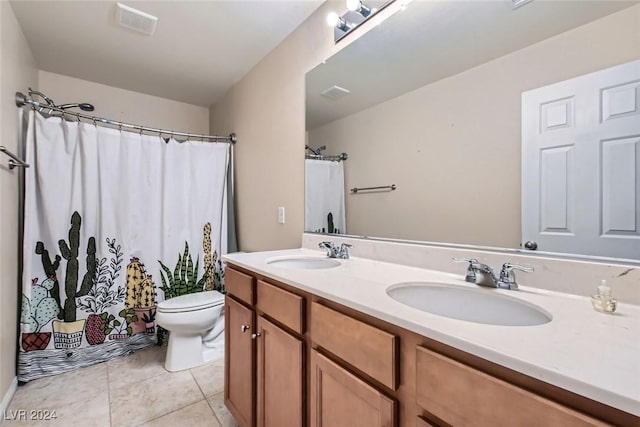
{"points": [[191, 302]]}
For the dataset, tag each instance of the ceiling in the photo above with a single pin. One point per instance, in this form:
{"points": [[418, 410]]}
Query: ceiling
{"points": [[431, 40], [198, 51]]}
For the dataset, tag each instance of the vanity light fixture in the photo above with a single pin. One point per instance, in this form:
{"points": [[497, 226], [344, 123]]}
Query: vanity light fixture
{"points": [[357, 13], [335, 20], [361, 8]]}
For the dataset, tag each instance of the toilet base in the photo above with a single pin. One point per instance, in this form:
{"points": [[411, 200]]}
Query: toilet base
{"points": [[186, 352], [183, 352]]}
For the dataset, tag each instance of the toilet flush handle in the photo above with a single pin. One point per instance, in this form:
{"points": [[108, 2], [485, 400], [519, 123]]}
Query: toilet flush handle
{"points": [[245, 328]]}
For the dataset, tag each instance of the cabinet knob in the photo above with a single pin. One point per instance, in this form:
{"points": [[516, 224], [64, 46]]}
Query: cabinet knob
{"points": [[245, 328], [256, 335]]}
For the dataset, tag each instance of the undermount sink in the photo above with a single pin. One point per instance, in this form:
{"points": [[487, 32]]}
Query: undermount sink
{"points": [[472, 305], [304, 263]]}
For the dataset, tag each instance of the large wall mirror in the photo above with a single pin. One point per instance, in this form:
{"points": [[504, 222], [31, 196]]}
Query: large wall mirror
{"points": [[431, 102]]}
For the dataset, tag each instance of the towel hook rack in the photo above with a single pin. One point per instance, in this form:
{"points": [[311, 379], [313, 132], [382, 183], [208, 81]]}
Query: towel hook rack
{"points": [[14, 161]]}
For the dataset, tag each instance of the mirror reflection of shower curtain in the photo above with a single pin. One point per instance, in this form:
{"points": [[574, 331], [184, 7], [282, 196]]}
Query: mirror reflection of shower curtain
{"points": [[324, 197], [115, 222]]}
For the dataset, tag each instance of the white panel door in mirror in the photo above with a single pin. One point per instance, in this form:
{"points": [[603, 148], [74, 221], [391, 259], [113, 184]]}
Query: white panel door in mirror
{"points": [[556, 115], [621, 101], [620, 182], [581, 164], [556, 188]]}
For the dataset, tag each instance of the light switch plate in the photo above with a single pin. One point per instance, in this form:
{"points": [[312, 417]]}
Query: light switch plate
{"points": [[281, 215]]}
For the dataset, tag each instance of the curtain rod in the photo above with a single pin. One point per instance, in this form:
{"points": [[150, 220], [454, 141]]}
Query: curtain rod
{"points": [[22, 100]]}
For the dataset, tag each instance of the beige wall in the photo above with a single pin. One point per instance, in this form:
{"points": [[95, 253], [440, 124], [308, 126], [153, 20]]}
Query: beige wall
{"points": [[453, 147], [17, 72], [266, 110], [125, 105]]}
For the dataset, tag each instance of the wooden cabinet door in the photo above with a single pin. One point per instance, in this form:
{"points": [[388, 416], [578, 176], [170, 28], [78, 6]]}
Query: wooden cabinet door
{"points": [[239, 367], [340, 399], [280, 377]]}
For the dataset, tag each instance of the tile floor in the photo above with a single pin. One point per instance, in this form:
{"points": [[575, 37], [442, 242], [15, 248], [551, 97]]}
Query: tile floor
{"points": [[133, 390]]}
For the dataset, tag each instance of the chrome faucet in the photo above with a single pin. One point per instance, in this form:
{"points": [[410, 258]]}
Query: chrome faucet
{"points": [[341, 252], [506, 279]]}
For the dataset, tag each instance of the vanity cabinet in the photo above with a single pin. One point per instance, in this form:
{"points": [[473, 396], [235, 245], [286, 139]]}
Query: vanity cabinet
{"points": [[367, 348], [462, 396], [280, 377], [317, 363], [239, 365], [264, 357], [341, 399]]}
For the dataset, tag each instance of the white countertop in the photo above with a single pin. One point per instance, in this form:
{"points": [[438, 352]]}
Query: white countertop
{"points": [[592, 354]]}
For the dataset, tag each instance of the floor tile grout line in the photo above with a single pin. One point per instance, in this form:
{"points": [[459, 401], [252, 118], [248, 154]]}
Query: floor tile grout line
{"points": [[206, 398], [214, 411], [175, 410], [198, 384]]}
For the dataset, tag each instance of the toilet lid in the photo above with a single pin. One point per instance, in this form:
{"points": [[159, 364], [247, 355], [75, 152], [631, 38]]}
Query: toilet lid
{"points": [[195, 301]]}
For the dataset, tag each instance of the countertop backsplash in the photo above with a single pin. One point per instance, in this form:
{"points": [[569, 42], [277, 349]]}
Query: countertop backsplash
{"points": [[578, 277]]}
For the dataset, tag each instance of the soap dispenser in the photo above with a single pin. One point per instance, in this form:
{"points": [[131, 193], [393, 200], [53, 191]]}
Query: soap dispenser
{"points": [[603, 301]]}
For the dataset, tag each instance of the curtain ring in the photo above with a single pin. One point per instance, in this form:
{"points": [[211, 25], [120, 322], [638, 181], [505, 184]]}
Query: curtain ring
{"points": [[78, 118], [94, 122], [188, 136], [140, 130], [120, 126]]}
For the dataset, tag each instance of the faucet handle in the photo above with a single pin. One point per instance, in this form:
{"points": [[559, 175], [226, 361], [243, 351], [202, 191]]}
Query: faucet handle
{"points": [[330, 248], [343, 252], [507, 267], [508, 277], [471, 273], [469, 260]]}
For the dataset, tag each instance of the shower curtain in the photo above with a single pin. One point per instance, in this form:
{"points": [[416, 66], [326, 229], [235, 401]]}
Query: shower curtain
{"points": [[114, 223], [324, 197]]}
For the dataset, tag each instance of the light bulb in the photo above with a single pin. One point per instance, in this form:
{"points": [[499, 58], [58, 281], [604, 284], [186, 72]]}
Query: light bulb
{"points": [[353, 5], [359, 7], [333, 19]]}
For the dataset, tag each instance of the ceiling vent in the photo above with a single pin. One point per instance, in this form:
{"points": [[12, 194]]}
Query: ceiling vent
{"points": [[135, 20], [335, 92]]}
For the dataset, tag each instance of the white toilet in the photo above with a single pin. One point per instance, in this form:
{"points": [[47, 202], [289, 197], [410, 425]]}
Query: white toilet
{"points": [[194, 321]]}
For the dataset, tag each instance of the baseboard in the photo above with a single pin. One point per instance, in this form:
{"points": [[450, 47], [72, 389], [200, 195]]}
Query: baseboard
{"points": [[6, 400]]}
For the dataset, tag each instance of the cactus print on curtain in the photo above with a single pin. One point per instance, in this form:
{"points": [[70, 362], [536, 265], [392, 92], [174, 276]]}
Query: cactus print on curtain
{"points": [[106, 213]]}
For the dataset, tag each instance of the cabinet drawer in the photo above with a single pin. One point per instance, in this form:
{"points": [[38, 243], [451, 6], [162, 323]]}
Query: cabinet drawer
{"points": [[369, 349], [281, 305], [239, 285], [463, 396]]}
